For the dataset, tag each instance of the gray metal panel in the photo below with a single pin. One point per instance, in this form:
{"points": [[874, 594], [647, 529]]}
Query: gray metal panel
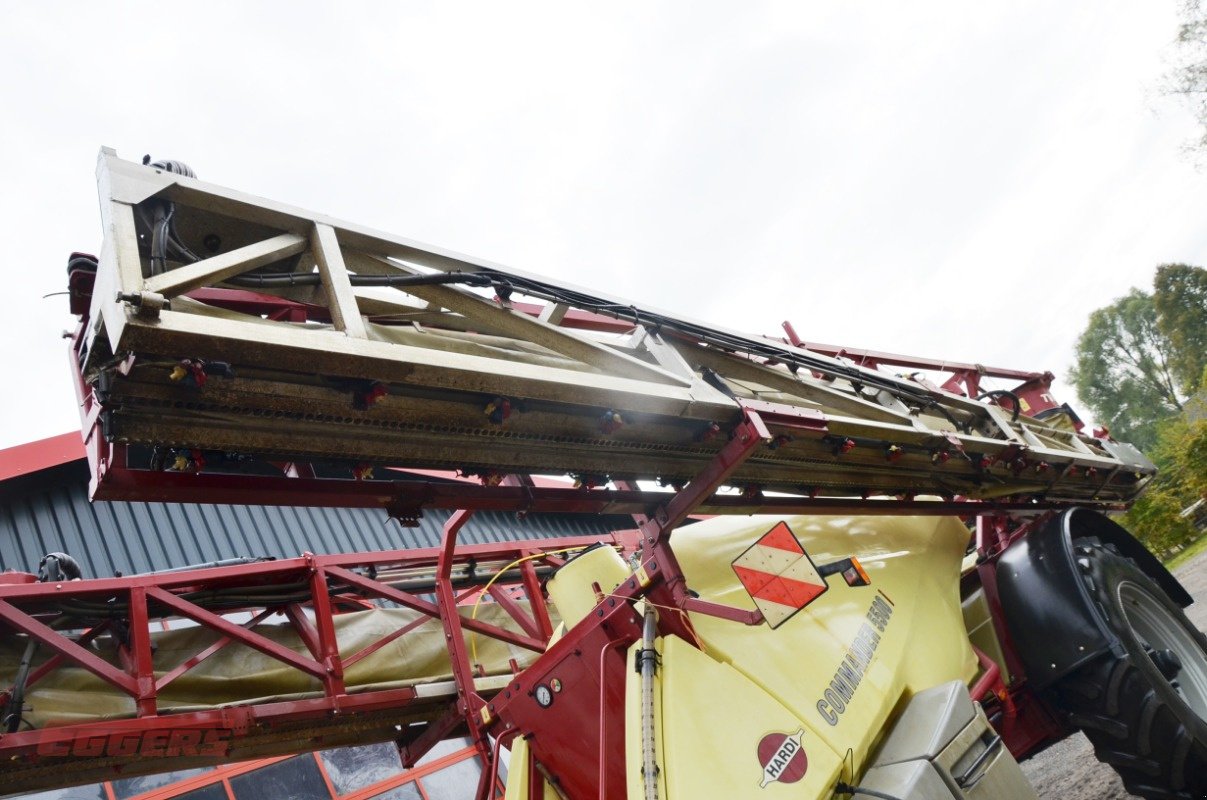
{"points": [[49, 511]]}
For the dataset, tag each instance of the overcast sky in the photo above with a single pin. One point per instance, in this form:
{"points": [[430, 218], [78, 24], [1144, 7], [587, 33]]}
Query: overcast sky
{"points": [[959, 180]]}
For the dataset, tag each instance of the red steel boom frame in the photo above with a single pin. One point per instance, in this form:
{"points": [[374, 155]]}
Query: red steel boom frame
{"points": [[333, 585], [582, 753]]}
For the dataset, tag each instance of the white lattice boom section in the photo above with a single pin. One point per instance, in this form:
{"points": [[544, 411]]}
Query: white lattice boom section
{"points": [[227, 324]]}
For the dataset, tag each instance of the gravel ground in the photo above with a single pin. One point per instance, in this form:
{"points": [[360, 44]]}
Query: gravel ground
{"points": [[1068, 770]]}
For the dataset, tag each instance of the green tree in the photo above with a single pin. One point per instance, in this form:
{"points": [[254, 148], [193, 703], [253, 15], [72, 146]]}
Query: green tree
{"points": [[1180, 454], [1180, 297], [1121, 369]]}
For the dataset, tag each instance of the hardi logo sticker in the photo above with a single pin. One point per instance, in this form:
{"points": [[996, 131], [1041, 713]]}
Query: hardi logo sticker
{"points": [[783, 758]]}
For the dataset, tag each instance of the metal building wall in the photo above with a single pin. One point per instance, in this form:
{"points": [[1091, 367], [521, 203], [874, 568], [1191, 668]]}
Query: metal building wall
{"points": [[49, 511]]}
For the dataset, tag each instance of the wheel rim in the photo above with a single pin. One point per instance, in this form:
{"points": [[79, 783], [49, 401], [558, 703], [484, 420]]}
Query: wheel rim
{"points": [[1158, 630]]}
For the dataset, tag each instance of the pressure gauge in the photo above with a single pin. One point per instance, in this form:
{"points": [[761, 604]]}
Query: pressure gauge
{"points": [[544, 696]]}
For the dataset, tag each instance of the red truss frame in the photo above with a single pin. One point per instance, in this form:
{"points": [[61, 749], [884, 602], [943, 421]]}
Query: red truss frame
{"points": [[334, 584], [581, 748]]}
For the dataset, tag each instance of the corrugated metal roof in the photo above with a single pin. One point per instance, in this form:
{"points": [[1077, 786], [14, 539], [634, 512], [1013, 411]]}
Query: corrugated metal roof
{"points": [[48, 511]]}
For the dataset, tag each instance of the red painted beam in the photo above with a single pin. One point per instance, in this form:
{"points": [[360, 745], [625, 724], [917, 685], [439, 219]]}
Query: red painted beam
{"points": [[175, 487], [65, 647], [863, 356], [213, 621]]}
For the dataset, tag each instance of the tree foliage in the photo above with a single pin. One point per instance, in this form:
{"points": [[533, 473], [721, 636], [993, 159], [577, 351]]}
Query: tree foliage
{"points": [[1141, 367], [1181, 458], [1180, 298], [1188, 80], [1121, 369]]}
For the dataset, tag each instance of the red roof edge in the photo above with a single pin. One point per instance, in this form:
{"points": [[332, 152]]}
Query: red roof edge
{"points": [[42, 454]]}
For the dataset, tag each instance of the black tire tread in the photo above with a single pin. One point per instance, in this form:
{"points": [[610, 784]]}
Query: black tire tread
{"points": [[1133, 727]]}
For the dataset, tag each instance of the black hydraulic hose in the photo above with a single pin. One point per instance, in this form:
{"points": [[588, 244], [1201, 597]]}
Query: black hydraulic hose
{"points": [[766, 349], [225, 562], [159, 241], [180, 247], [237, 597], [165, 242], [11, 721], [284, 279], [937, 406], [995, 393]]}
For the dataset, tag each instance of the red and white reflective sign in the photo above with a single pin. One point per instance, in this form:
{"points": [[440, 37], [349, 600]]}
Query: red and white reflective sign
{"points": [[779, 575]]}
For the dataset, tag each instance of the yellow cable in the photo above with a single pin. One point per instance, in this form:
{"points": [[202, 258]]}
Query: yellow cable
{"points": [[473, 639]]}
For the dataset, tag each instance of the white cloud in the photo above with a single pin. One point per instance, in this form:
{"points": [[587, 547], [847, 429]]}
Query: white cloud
{"points": [[949, 179]]}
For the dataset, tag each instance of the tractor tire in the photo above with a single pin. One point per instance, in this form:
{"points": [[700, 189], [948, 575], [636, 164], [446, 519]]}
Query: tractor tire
{"points": [[1144, 711]]}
